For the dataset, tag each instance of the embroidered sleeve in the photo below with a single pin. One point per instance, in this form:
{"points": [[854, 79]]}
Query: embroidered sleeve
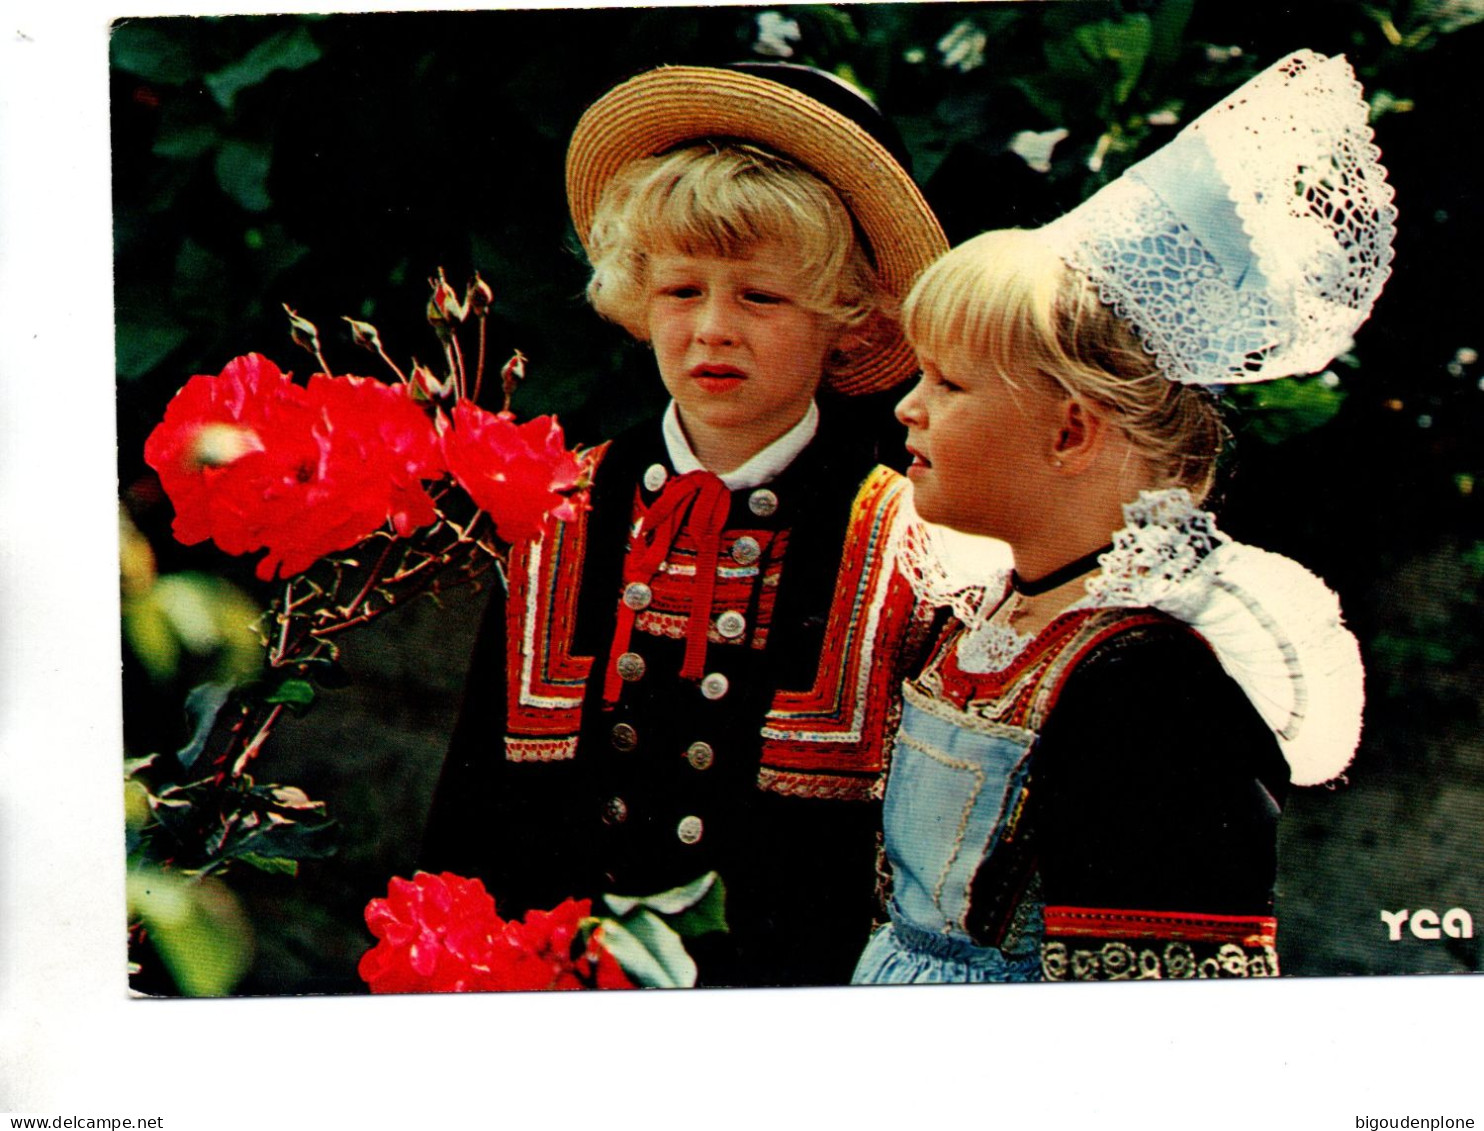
{"points": [[1158, 788]]}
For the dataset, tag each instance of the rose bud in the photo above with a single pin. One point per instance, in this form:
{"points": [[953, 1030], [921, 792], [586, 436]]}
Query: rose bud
{"points": [[443, 306], [426, 386], [303, 331], [514, 371], [478, 297], [364, 335]]}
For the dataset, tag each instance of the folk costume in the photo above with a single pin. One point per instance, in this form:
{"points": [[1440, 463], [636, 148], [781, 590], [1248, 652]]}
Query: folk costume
{"points": [[699, 674], [1100, 800]]}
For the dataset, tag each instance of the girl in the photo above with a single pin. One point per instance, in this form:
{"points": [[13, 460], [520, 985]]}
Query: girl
{"points": [[1090, 766]]}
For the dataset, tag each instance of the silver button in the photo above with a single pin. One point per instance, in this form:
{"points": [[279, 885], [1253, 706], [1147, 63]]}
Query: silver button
{"points": [[655, 476], [762, 502], [745, 550], [630, 667], [616, 811], [714, 686], [624, 737], [637, 595], [731, 624], [700, 755], [689, 830]]}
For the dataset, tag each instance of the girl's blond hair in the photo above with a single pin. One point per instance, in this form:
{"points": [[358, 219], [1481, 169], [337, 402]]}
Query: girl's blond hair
{"points": [[725, 199], [1008, 301]]}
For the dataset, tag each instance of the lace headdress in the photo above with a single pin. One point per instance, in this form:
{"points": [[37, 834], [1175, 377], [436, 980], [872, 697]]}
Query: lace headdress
{"points": [[1254, 244]]}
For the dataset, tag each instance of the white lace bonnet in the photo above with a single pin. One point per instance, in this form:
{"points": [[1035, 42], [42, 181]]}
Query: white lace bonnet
{"points": [[1254, 244]]}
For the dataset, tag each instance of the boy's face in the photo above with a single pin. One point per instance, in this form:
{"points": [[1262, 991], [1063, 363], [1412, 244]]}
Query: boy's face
{"points": [[981, 450], [735, 348]]}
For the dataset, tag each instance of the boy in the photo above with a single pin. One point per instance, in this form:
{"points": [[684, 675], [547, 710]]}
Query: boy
{"points": [[700, 673]]}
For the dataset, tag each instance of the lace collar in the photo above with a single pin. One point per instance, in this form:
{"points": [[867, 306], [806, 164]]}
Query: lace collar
{"points": [[1273, 625]]}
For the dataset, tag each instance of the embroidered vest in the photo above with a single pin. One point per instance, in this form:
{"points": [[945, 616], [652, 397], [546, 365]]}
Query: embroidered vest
{"points": [[827, 740]]}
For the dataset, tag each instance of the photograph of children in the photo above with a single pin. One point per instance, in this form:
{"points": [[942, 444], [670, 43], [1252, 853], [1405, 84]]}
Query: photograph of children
{"points": [[579, 531]]}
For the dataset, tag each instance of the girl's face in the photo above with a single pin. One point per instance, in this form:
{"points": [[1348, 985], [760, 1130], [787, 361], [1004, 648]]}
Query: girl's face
{"points": [[736, 347], [983, 451]]}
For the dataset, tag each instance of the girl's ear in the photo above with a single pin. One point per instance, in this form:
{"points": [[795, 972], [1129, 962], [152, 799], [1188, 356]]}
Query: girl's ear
{"points": [[1080, 432]]}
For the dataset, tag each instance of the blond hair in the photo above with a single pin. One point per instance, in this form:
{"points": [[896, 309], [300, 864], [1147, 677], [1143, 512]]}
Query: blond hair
{"points": [[1008, 301], [724, 200]]}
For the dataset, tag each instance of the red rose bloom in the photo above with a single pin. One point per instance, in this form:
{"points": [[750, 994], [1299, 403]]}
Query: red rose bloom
{"points": [[519, 474], [437, 936], [252, 461], [441, 933], [537, 953]]}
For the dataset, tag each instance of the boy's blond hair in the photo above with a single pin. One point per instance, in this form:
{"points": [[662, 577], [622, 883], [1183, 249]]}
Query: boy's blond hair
{"points": [[725, 199], [1008, 301]]}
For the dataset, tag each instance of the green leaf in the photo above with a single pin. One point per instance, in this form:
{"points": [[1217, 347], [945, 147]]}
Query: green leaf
{"points": [[242, 172], [297, 694], [148, 633], [289, 50], [693, 909], [202, 706], [197, 928], [282, 839], [140, 346], [186, 142], [1170, 20], [1124, 43], [649, 951], [274, 865], [148, 52], [1275, 411]]}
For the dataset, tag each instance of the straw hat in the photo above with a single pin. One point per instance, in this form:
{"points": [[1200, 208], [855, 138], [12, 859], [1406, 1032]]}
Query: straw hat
{"points": [[832, 130]]}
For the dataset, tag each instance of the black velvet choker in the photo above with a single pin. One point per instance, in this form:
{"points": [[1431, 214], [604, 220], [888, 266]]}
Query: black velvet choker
{"points": [[1057, 577]]}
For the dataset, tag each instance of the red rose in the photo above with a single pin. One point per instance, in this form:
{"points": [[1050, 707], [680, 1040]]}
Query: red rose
{"points": [[519, 474], [252, 461], [441, 933], [437, 936]]}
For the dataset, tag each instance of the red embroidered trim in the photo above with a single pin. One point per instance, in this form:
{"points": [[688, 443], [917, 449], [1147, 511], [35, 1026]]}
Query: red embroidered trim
{"points": [[1023, 694], [1110, 923], [540, 750], [545, 681], [840, 724], [737, 586], [831, 787]]}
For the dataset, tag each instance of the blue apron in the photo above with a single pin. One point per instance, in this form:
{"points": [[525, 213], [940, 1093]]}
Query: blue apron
{"points": [[955, 778]]}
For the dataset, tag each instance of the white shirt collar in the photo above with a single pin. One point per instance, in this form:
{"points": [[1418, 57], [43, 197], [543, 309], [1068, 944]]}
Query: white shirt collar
{"points": [[768, 464]]}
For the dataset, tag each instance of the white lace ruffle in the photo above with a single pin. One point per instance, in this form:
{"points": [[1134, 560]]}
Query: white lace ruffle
{"points": [[1254, 244], [949, 569], [1273, 625]]}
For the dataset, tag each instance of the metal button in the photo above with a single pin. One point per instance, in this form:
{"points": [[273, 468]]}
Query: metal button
{"points": [[714, 686], [745, 550], [655, 476], [630, 668], [637, 595], [731, 624], [624, 737], [762, 502], [700, 755], [689, 830], [616, 811]]}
